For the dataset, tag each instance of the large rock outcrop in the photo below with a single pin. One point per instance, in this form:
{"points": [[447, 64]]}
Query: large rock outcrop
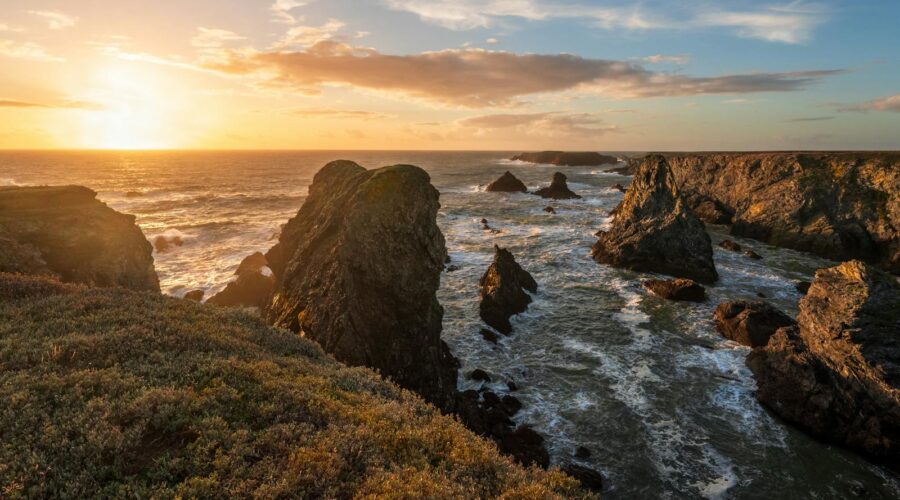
{"points": [[507, 183], [654, 230], [358, 269], [65, 232], [567, 159], [837, 373], [558, 189], [750, 323], [840, 206], [503, 288]]}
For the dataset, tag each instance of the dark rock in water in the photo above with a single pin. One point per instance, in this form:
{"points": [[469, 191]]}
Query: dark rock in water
{"points": [[488, 335], [358, 269], [512, 386], [558, 189], [253, 286], [628, 169], [510, 404], [195, 295], [490, 399], [677, 289], [582, 453], [802, 286], [503, 289], [620, 188], [654, 231], [452, 268], [252, 263], [589, 478], [837, 373], [480, 375], [550, 210], [761, 295], [133, 194], [162, 243], [525, 446], [753, 255], [750, 323], [65, 232], [507, 183], [730, 246], [567, 159]]}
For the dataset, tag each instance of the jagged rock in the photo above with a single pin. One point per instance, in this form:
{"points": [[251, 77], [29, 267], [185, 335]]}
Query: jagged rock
{"points": [[550, 210], [802, 286], [163, 243], [503, 288], [750, 323], [677, 289], [479, 375], [525, 446], [507, 183], [489, 335], [589, 478], [195, 295], [252, 263], [836, 374], [510, 404], [840, 206], [253, 286], [65, 232], [358, 269], [620, 188], [582, 452], [654, 231], [753, 255], [730, 246], [558, 189], [567, 159]]}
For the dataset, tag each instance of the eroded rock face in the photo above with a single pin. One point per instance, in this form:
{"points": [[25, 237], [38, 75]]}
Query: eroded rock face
{"points": [[568, 159], [837, 205], [750, 323], [678, 290], [503, 288], [837, 373], [64, 231], [655, 231], [558, 189], [507, 183], [358, 269], [253, 286]]}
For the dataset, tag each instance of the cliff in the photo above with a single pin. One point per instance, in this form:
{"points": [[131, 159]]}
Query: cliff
{"points": [[567, 159], [64, 231]]}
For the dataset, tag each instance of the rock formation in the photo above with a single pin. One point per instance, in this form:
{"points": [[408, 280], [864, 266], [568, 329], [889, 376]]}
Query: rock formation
{"points": [[750, 323], [64, 231], [558, 189], [837, 205], [253, 286], [195, 295], [503, 289], [837, 373], [567, 159], [358, 269], [507, 183], [654, 230], [677, 289], [730, 246]]}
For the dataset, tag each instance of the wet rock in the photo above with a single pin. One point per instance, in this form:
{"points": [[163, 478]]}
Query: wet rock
{"points": [[488, 335], [452, 268], [525, 446], [550, 210], [252, 263], [558, 189], [66, 233], [620, 188], [836, 374], [567, 159], [512, 386], [802, 286], [252, 288], [707, 209], [677, 289], [750, 323], [510, 405], [358, 270], [730, 246], [163, 243], [503, 288], [195, 295], [654, 231], [589, 478], [479, 375], [761, 295], [582, 453], [753, 255], [507, 183]]}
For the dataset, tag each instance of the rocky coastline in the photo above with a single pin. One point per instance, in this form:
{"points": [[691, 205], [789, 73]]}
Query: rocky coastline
{"points": [[567, 159]]}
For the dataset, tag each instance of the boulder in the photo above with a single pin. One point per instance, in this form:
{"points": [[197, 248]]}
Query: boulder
{"points": [[567, 159], [507, 183], [582, 452], [836, 374], [65, 232], [654, 231], [503, 288], [802, 286], [730, 246], [558, 189], [479, 375], [589, 478], [195, 295], [753, 255], [550, 210], [164, 242], [750, 323], [357, 270], [525, 446], [488, 335], [252, 288], [677, 289]]}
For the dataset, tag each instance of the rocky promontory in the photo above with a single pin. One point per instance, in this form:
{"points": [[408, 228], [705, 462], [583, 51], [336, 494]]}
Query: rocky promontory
{"points": [[836, 374], [357, 270], [655, 231], [503, 288], [567, 159], [507, 183], [65, 232]]}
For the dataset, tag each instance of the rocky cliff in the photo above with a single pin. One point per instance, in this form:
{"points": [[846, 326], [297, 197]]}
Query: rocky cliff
{"points": [[837, 373], [837, 205], [64, 231], [567, 159], [358, 269]]}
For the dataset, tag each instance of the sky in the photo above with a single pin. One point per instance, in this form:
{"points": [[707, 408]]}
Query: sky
{"points": [[605, 75]]}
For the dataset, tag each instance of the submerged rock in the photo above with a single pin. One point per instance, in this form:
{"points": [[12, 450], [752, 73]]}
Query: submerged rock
{"points": [[836, 374], [750, 323], [753, 255], [550, 210], [558, 189], [802, 286], [479, 375], [253, 286], [730, 246], [358, 270], [507, 183], [654, 231], [568, 159], [488, 335], [678, 289], [65, 232], [503, 288], [582, 453]]}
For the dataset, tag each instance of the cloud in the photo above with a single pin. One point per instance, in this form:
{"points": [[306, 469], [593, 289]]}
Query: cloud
{"points": [[482, 78], [12, 103], [281, 10], [26, 50], [6, 27], [306, 36], [208, 38], [810, 119], [659, 58], [548, 124], [492, 41], [340, 114], [55, 20], [791, 23], [890, 103]]}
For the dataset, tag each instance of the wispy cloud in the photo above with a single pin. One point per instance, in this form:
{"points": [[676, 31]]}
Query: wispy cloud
{"points": [[213, 38], [890, 103], [548, 124], [306, 36], [281, 10], [15, 29], [55, 20], [26, 50], [13, 103], [339, 114], [810, 119], [659, 58], [790, 23]]}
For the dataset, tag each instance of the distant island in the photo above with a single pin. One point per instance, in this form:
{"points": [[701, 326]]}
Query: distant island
{"points": [[567, 159]]}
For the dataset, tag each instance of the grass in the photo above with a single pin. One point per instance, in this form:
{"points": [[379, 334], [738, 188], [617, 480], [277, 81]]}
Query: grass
{"points": [[112, 393]]}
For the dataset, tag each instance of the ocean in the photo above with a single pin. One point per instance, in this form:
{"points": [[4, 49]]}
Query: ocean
{"points": [[664, 403]]}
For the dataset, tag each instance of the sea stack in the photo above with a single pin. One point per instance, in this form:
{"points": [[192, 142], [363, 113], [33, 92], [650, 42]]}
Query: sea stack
{"points": [[507, 183], [558, 189], [358, 269], [503, 289], [836, 374], [654, 230]]}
